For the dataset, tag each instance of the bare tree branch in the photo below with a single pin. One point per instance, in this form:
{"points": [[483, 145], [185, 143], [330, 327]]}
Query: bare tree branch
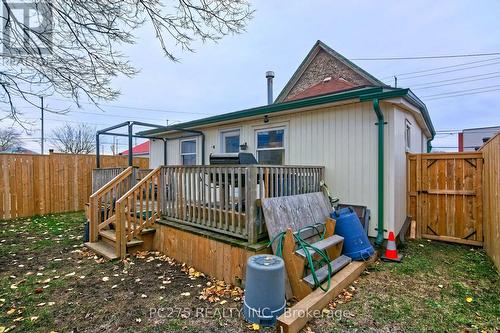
{"points": [[75, 51], [79, 139], [9, 138]]}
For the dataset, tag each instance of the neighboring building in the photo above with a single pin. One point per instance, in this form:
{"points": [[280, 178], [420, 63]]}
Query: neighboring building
{"points": [[472, 139], [140, 150], [325, 115]]}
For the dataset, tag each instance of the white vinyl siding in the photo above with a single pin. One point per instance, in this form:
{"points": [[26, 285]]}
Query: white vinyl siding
{"points": [[343, 139]]}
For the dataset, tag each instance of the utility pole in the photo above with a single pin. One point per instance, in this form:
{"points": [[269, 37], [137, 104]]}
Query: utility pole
{"points": [[395, 81], [41, 118]]}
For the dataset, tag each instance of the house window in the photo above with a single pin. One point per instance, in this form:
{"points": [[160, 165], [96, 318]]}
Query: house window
{"points": [[230, 141], [188, 152], [408, 135], [271, 146]]}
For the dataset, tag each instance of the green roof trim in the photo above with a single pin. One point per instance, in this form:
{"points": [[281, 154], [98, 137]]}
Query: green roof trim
{"points": [[363, 94]]}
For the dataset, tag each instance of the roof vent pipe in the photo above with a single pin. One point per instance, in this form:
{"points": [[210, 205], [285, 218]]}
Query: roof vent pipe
{"points": [[269, 77]]}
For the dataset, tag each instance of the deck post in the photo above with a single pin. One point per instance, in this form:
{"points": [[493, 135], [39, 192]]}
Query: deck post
{"points": [[94, 219], [251, 204], [121, 240]]}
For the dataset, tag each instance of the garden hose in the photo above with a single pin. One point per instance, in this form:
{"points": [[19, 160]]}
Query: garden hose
{"points": [[302, 244]]}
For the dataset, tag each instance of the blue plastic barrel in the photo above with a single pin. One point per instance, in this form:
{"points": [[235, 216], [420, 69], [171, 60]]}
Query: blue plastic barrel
{"points": [[356, 243], [264, 289]]}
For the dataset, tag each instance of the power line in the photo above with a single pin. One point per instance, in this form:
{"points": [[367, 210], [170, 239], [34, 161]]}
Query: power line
{"points": [[452, 83], [450, 71], [136, 107], [437, 68], [461, 91], [454, 79], [103, 114], [465, 94], [431, 57]]}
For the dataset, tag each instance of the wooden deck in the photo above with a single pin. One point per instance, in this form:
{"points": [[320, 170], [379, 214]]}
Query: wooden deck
{"points": [[218, 199]]}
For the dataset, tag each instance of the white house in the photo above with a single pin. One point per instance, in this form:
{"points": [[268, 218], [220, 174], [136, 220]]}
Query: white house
{"points": [[330, 113]]}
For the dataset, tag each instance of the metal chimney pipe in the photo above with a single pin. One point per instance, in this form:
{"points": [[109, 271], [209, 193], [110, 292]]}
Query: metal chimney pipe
{"points": [[269, 77]]}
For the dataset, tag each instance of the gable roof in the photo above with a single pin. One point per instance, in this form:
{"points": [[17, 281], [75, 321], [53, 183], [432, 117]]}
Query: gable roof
{"points": [[140, 149], [358, 93], [322, 88], [315, 50]]}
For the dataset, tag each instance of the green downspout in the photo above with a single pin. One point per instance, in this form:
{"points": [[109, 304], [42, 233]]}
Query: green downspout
{"points": [[380, 216], [429, 144]]}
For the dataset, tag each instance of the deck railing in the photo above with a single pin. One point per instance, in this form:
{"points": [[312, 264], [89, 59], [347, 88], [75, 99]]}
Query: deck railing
{"points": [[102, 176], [224, 198], [138, 209], [103, 201]]}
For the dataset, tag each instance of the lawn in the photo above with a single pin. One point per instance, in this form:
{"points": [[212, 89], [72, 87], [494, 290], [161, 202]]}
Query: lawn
{"points": [[50, 283]]}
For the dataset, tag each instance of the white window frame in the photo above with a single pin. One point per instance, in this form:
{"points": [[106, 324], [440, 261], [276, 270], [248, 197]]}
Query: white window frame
{"points": [[273, 128], [407, 135], [223, 134], [184, 154]]}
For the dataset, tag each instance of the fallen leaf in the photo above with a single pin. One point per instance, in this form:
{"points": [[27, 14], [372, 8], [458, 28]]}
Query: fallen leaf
{"points": [[144, 296], [70, 274], [34, 318], [105, 278], [138, 320], [38, 290], [469, 299], [51, 303], [186, 294], [114, 286], [13, 286], [255, 327], [11, 311], [2, 329], [223, 302]]}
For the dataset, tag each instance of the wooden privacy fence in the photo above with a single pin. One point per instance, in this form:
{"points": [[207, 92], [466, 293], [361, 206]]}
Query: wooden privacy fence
{"points": [[491, 195], [444, 196], [55, 183]]}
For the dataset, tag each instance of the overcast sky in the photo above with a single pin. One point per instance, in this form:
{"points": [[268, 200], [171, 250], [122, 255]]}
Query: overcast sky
{"points": [[229, 75]]}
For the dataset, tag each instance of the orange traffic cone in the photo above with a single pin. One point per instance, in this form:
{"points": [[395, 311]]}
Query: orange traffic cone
{"points": [[391, 253]]}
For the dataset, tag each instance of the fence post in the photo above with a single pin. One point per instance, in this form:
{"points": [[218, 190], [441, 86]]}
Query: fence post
{"points": [[251, 204]]}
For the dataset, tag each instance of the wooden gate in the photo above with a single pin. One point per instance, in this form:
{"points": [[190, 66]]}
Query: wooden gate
{"points": [[444, 196]]}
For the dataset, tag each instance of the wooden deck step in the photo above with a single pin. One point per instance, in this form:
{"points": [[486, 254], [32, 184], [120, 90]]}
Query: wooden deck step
{"points": [[322, 273], [103, 249], [111, 235], [322, 245]]}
